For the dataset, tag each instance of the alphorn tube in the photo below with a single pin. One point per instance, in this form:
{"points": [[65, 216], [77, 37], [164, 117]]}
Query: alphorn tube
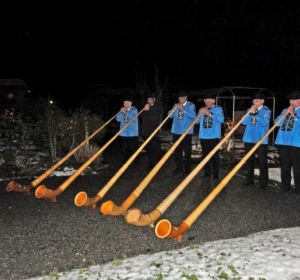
{"points": [[137, 218], [43, 192], [82, 199], [164, 228], [110, 208], [14, 186]]}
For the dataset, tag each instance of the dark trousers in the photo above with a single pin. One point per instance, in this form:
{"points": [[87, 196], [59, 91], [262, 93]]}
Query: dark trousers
{"points": [[153, 151], [183, 153], [128, 146], [262, 154], [213, 164], [289, 157]]}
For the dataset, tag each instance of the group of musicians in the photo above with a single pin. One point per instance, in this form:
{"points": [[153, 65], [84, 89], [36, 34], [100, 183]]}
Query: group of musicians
{"points": [[210, 119]]}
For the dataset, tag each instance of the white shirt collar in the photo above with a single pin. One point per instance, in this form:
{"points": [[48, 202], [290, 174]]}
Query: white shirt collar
{"points": [[297, 108], [184, 103]]}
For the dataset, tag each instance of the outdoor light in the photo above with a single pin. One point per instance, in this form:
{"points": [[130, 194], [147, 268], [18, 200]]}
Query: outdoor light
{"points": [[51, 102]]}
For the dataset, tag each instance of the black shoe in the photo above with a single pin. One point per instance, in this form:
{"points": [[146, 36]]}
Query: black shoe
{"points": [[248, 182]]}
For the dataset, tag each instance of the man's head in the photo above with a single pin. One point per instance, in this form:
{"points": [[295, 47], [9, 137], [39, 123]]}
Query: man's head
{"points": [[258, 99], [127, 104], [151, 99], [209, 100], [127, 101], [294, 98], [182, 97]]}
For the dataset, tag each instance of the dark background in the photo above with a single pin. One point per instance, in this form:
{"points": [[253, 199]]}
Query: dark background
{"points": [[61, 47]]}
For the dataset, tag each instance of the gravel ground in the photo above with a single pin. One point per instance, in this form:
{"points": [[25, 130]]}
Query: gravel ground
{"points": [[39, 237]]}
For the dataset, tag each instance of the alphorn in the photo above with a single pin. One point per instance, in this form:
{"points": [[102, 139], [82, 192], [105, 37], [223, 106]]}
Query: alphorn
{"points": [[110, 208], [82, 199], [14, 186], [43, 192], [136, 217], [164, 228]]}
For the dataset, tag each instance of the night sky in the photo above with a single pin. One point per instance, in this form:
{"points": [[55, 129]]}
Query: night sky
{"points": [[62, 47]]}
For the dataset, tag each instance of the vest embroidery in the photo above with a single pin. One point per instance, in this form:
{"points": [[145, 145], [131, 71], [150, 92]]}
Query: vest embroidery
{"points": [[180, 115], [288, 123], [207, 122]]}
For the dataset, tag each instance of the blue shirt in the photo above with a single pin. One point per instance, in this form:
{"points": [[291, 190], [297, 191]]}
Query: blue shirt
{"points": [[257, 125], [289, 129], [123, 118], [183, 119], [210, 125]]}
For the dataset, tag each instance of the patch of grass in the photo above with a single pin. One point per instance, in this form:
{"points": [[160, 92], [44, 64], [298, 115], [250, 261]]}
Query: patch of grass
{"points": [[200, 255], [116, 262], [233, 269], [193, 246], [153, 263], [251, 278], [223, 254], [262, 278], [190, 277], [159, 277], [83, 270], [54, 274], [223, 275]]}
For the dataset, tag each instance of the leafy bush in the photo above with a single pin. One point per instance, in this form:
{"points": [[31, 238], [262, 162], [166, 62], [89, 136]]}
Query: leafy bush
{"points": [[66, 130], [27, 137]]}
